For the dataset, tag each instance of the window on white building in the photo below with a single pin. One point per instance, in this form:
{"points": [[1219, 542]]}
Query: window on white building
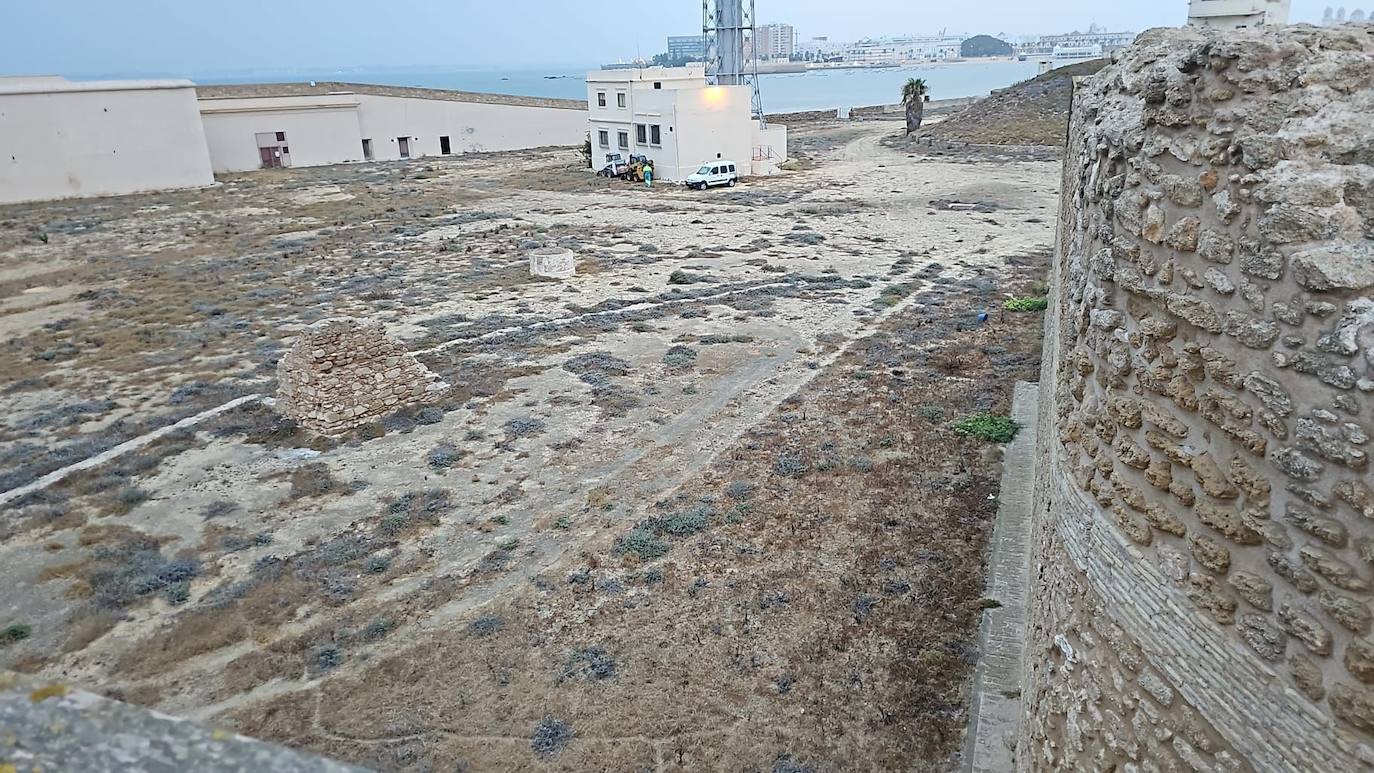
{"points": [[620, 99], [655, 135], [600, 99], [641, 134], [625, 140], [605, 138]]}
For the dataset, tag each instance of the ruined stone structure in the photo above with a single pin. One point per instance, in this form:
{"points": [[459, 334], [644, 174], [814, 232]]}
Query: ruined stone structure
{"points": [[341, 374], [1203, 551]]}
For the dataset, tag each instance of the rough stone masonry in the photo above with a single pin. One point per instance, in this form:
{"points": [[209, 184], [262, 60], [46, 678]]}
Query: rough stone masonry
{"points": [[341, 374], [1203, 559]]}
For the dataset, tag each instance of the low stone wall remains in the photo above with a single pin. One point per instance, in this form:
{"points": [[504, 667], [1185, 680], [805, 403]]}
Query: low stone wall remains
{"points": [[341, 374]]}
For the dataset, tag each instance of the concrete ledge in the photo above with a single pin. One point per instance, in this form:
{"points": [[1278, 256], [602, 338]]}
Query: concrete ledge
{"points": [[50, 727], [996, 704]]}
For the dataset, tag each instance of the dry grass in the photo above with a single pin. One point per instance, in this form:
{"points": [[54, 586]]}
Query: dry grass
{"points": [[827, 618]]}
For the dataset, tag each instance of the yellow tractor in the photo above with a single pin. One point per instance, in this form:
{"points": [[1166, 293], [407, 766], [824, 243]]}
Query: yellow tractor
{"points": [[635, 171]]}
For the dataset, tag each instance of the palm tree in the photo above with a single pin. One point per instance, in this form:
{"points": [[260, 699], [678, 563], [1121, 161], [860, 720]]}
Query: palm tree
{"points": [[914, 97]]}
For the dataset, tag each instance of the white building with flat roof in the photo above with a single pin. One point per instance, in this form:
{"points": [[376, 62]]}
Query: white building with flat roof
{"points": [[1238, 14], [62, 139], [672, 116], [259, 126]]}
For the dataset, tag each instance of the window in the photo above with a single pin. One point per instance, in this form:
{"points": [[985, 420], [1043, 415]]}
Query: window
{"points": [[444, 146], [367, 150], [624, 140], [600, 99], [605, 138], [658, 84], [715, 170], [281, 136], [641, 133], [620, 99], [655, 135], [730, 168]]}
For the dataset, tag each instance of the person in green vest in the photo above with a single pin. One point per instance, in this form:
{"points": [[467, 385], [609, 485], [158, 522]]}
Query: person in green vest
{"points": [[648, 174]]}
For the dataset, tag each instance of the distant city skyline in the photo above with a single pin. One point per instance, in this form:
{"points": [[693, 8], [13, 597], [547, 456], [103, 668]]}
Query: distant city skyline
{"points": [[172, 37]]}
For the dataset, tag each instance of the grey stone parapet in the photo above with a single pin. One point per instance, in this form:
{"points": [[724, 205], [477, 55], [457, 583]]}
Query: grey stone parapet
{"points": [[47, 726]]}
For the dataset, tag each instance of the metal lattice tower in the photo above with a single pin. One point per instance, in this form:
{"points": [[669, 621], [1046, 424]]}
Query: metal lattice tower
{"points": [[726, 25]]}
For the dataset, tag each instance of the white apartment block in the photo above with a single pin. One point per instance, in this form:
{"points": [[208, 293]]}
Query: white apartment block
{"points": [[672, 116], [775, 41], [1238, 14]]}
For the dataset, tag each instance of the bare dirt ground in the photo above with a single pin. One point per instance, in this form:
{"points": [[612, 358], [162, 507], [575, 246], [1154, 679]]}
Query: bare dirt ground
{"points": [[699, 508]]}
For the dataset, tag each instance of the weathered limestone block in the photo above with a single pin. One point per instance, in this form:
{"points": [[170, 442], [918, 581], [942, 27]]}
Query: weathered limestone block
{"points": [[553, 262], [341, 374]]}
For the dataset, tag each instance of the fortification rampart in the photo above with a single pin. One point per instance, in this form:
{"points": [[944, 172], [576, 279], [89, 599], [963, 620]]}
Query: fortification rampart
{"points": [[1204, 541]]}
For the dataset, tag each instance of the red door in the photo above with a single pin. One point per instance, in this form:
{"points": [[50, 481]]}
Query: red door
{"points": [[270, 160]]}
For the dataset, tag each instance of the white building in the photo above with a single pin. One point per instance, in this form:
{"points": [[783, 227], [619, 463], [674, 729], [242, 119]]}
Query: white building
{"points": [[672, 116], [929, 47], [1238, 14], [62, 139], [873, 52], [296, 124], [776, 41]]}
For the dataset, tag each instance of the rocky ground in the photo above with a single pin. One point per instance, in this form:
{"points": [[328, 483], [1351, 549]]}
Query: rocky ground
{"points": [[701, 506]]}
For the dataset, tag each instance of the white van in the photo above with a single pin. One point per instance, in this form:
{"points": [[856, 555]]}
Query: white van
{"points": [[713, 173]]}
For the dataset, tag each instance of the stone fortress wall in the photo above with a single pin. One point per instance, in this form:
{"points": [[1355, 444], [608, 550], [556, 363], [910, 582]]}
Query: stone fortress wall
{"points": [[1203, 557], [343, 373]]}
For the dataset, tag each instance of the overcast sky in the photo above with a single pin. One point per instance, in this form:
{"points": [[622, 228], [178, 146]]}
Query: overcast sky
{"points": [[202, 37]]}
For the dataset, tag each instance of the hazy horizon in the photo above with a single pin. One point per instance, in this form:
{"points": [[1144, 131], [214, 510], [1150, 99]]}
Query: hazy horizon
{"points": [[168, 37]]}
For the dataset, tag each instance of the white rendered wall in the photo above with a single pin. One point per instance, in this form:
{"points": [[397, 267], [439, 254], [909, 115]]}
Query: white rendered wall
{"points": [[76, 140], [472, 127], [319, 130], [713, 123]]}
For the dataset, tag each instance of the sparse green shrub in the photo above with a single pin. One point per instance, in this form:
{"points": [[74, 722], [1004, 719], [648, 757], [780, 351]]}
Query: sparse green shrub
{"points": [[740, 489], [328, 658], [680, 277], [14, 632], [592, 663], [563, 522], [429, 415], [377, 564], [641, 542], [486, 625], [130, 496], [550, 736], [789, 465], [524, 426], [473, 434], [177, 592], [443, 456], [931, 412], [986, 426], [379, 628], [1026, 304], [680, 356], [682, 524], [653, 575]]}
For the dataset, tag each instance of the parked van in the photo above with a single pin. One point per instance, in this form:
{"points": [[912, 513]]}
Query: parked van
{"points": [[713, 173]]}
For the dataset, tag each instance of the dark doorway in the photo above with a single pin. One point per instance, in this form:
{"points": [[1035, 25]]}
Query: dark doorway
{"points": [[367, 150], [403, 144], [444, 146], [273, 150]]}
